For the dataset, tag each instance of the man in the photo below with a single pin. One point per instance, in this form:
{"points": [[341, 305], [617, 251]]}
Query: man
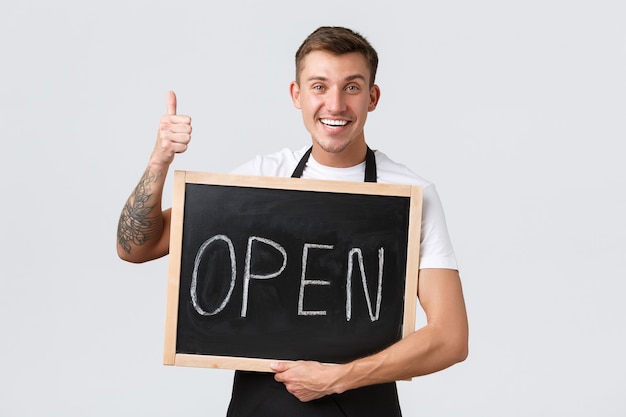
{"points": [[335, 90]]}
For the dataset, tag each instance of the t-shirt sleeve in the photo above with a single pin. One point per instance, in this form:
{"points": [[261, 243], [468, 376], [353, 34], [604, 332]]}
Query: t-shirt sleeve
{"points": [[252, 167], [436, 249], [279, 164]]}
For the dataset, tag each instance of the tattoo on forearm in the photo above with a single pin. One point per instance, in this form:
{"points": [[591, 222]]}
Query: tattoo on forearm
{"points": [[135, 225]]}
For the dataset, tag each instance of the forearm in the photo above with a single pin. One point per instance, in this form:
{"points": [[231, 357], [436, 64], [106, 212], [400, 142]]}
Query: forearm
{"points": [[142, 223], [426, 351], [442, 342]]}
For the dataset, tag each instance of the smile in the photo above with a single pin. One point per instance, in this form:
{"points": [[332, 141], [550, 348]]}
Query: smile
{"points": [[334, 123]]}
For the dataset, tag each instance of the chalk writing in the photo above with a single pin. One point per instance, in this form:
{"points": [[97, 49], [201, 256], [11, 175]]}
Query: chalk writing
{"points": [[247, 275], [304, 282], [194, 275], [374, 313], [379, 294]]}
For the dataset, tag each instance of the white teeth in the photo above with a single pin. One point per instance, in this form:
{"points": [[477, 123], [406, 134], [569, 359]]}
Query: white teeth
{"points": [[330, 122]]}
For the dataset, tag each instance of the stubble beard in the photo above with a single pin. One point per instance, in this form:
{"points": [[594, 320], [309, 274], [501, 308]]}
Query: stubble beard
{"points": [[333, 147]]}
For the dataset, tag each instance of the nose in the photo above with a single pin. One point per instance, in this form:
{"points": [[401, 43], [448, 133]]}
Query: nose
{"points": [[335, 101]]}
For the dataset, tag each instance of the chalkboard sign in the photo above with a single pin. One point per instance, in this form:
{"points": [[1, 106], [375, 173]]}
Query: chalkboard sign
{"points": [[265, 269]]}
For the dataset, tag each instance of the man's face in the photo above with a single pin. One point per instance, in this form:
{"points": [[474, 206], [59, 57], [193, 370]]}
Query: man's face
{"points": [[335, 97]]}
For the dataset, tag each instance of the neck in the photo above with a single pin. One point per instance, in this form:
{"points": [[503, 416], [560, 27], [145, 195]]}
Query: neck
{"points": [[348, 157]]}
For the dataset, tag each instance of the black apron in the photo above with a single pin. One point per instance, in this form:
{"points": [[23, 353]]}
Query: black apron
{"points": [[370, 165], [257, 394]]}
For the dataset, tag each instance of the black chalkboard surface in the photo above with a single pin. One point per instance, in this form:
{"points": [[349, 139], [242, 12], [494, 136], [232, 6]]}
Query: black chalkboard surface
{"points": [[265, 269]]}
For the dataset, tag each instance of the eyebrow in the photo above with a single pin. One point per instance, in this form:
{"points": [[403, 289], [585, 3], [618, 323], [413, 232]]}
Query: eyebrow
{"points": [[349, 78]]}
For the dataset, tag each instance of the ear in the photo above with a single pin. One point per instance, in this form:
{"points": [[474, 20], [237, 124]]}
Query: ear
{"points": [[294, 91], [374, 97]]}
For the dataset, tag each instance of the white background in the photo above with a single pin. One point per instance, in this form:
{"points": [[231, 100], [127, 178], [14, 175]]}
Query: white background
{"points": [[515, 109]]}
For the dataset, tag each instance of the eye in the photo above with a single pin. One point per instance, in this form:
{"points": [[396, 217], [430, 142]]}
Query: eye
{"points": [[318, 87], [353, 88]]}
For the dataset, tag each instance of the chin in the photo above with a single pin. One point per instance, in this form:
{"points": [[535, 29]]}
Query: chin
{"points": [[334, 147]]}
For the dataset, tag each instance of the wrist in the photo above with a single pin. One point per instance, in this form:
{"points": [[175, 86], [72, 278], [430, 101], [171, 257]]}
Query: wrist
{"points": [[158, 167], [342, 378]]}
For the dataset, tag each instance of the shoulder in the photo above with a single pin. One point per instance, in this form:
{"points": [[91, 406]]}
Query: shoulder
{"points": [[436, 249], [277, 164], [391, 172]]}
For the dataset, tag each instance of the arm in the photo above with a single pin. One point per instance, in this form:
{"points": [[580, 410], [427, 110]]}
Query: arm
{"points": [[442, 342], [143, 230]]}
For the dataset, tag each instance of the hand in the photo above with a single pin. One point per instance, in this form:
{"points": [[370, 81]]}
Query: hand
{"points": [[307, 380], [174, 134]]}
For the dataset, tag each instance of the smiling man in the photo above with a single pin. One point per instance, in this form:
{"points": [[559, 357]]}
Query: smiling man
{"points": [[335, 90], [335, 94]]}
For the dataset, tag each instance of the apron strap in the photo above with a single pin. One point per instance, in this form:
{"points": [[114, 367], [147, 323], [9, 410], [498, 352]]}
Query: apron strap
{"points": [[370, 165], [297, 173]]}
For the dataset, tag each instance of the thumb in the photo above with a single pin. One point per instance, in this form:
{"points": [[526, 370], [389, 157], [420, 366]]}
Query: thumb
{"points": [[171, 102], [278, 366]]}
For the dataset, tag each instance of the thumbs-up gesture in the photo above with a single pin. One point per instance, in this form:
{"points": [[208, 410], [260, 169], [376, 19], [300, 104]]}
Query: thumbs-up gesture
{"points": [[174, 134]]}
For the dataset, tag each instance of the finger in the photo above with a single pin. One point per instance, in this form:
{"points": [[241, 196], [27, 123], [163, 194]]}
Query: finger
{"points": [[181, 138], [176, 124], [282, 366], [171, 102], [277, 366]]}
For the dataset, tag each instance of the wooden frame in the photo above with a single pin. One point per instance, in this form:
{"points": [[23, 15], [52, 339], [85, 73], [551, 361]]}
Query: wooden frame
{"points": [[182, 178]]}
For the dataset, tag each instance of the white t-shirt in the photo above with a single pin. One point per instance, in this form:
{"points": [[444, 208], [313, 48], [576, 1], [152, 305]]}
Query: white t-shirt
{"points": [[435, 247]]}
